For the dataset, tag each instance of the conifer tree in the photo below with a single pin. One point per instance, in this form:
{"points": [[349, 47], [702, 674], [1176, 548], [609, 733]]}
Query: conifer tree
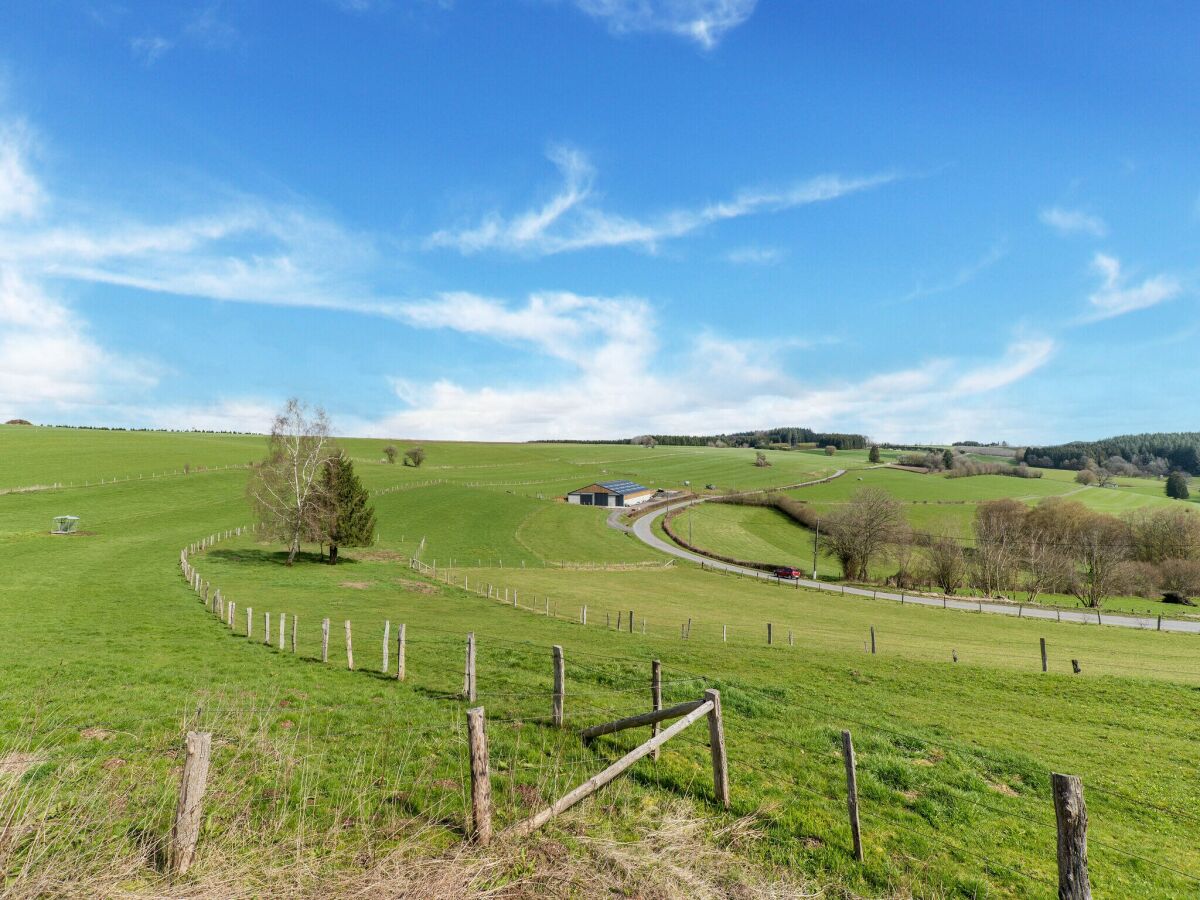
{"points": [[349, 516]]}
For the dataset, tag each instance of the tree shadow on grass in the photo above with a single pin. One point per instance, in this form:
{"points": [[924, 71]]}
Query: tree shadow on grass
{"points": [[255, 556]]}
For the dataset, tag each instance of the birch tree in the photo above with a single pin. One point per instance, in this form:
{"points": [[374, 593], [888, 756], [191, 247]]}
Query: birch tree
{"points": [[286, 489]]}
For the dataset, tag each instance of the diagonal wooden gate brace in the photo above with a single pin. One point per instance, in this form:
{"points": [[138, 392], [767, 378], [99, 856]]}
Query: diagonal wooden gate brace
{"points": [[690, 712]]}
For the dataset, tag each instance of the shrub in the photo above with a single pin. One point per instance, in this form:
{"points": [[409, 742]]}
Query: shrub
{"points": [[830, 449]]}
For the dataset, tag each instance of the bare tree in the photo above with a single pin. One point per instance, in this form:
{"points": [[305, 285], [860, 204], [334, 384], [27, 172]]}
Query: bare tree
{"points": [[1101, 545], [1164, 533], [1045, 563], [861, 530], [389, 453], [998, 535], [286, 488], [947, 564]]}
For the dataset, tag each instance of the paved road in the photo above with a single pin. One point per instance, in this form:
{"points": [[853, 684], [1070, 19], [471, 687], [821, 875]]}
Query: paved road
{"points": [[643, 529]]}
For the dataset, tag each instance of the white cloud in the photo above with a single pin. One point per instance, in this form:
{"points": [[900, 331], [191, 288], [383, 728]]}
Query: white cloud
{"points": [[20, 193], [702, 21], [1115, 297], [150, 48], [620, 384], [1073, 221], [569, 221], [47, 358], [754, 256]]}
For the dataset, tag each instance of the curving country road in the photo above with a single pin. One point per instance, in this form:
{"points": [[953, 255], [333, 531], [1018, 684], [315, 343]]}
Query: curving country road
{"points": [[643, 529]]}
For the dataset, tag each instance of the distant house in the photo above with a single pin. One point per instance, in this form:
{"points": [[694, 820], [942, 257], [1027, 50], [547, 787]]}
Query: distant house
{"points": [[611, 493]]}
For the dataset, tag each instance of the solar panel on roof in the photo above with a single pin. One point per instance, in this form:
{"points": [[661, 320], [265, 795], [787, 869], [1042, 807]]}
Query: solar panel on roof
{"points": [[622, 487]]}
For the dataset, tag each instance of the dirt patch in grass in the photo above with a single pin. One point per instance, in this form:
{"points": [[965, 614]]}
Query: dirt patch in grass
{"points": [[18, 763], [357, 585], [381, 555], [417, 587], [1002, 788], [96, 733]]}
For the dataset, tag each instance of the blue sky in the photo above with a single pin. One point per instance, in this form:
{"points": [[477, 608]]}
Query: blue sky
{"points": [[511, 219]]}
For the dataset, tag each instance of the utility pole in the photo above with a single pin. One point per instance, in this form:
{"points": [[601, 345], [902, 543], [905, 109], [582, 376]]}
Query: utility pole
{"points": [[816, 535]]}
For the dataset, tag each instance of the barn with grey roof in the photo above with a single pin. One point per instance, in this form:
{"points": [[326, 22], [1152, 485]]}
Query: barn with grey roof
{"points": [[611, 493]]}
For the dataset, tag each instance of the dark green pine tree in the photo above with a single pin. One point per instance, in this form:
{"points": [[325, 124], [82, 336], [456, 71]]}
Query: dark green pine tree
{"points": [[947, 460], [349, 516], [1177, 486], [873, 456]]}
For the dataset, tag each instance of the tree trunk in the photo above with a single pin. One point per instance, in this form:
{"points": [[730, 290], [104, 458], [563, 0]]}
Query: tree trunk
{"points": [[333, 554], [293, 550]]}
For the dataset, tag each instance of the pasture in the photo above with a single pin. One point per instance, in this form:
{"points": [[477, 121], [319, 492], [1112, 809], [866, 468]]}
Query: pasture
{"points": [[324, 776]]}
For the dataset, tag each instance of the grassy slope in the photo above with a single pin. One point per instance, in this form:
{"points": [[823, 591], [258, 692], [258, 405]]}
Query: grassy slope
{"points": [[314, 752]]}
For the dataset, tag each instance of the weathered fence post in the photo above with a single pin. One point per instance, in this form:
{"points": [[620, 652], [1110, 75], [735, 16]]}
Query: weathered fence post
{"points": [[1070, 813], [185, 833], [852, 793], [400, 652], [724, 633], [349, 648], [387, 644], [770, 634], [655, 697], [249, 621], [872, 639], [324, 640], [631, 621], [294, 621], [469, 669], [559, 685], [231, 608], [267, 628], [481, 785], [716, 742], [1043, 654], [1075, 666], [282, 631]]}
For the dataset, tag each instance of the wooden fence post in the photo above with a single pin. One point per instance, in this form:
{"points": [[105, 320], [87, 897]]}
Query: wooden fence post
{"points": [[481, 785], [469, 669], [770, 636], [559, 685], [387, 644], [716, 742], [186, 832], [1043, 654], [872, 640], [294, 621], [852, 793], [631, 621], [1075, 666], [655, 697], [1070, 813], [267, 628], [282, 631], [349, 648], [324, 640], [724, 633], [249, 621]]}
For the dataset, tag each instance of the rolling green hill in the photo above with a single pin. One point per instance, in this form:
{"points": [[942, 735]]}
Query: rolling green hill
{"points": [[327, 780]]}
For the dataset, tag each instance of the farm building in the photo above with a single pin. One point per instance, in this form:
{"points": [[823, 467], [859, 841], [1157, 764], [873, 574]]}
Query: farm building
{"points": [[611, 493]]}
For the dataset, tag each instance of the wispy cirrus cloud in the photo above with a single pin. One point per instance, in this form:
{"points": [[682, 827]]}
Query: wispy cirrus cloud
{"points": [[150, 48], [754, 256], [963, 276], [702, 21], [1116, 296], [20, 192], [571, 221], [1073, 221]]}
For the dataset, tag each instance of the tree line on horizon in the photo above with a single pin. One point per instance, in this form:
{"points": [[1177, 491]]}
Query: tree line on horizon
{"points": [[1151, 453]]}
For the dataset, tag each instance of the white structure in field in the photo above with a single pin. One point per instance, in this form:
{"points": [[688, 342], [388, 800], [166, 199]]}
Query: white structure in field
{"points": [[611, 493], [65, 525]]}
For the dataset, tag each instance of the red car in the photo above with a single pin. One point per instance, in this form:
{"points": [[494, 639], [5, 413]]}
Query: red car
{"points": [[787, 572]]}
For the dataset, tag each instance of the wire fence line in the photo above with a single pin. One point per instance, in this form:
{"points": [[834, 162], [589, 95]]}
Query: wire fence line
{"points": [[598, 678]]}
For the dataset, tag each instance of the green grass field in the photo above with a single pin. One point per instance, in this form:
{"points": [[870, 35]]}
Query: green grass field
{"points": [[323, 777]]}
